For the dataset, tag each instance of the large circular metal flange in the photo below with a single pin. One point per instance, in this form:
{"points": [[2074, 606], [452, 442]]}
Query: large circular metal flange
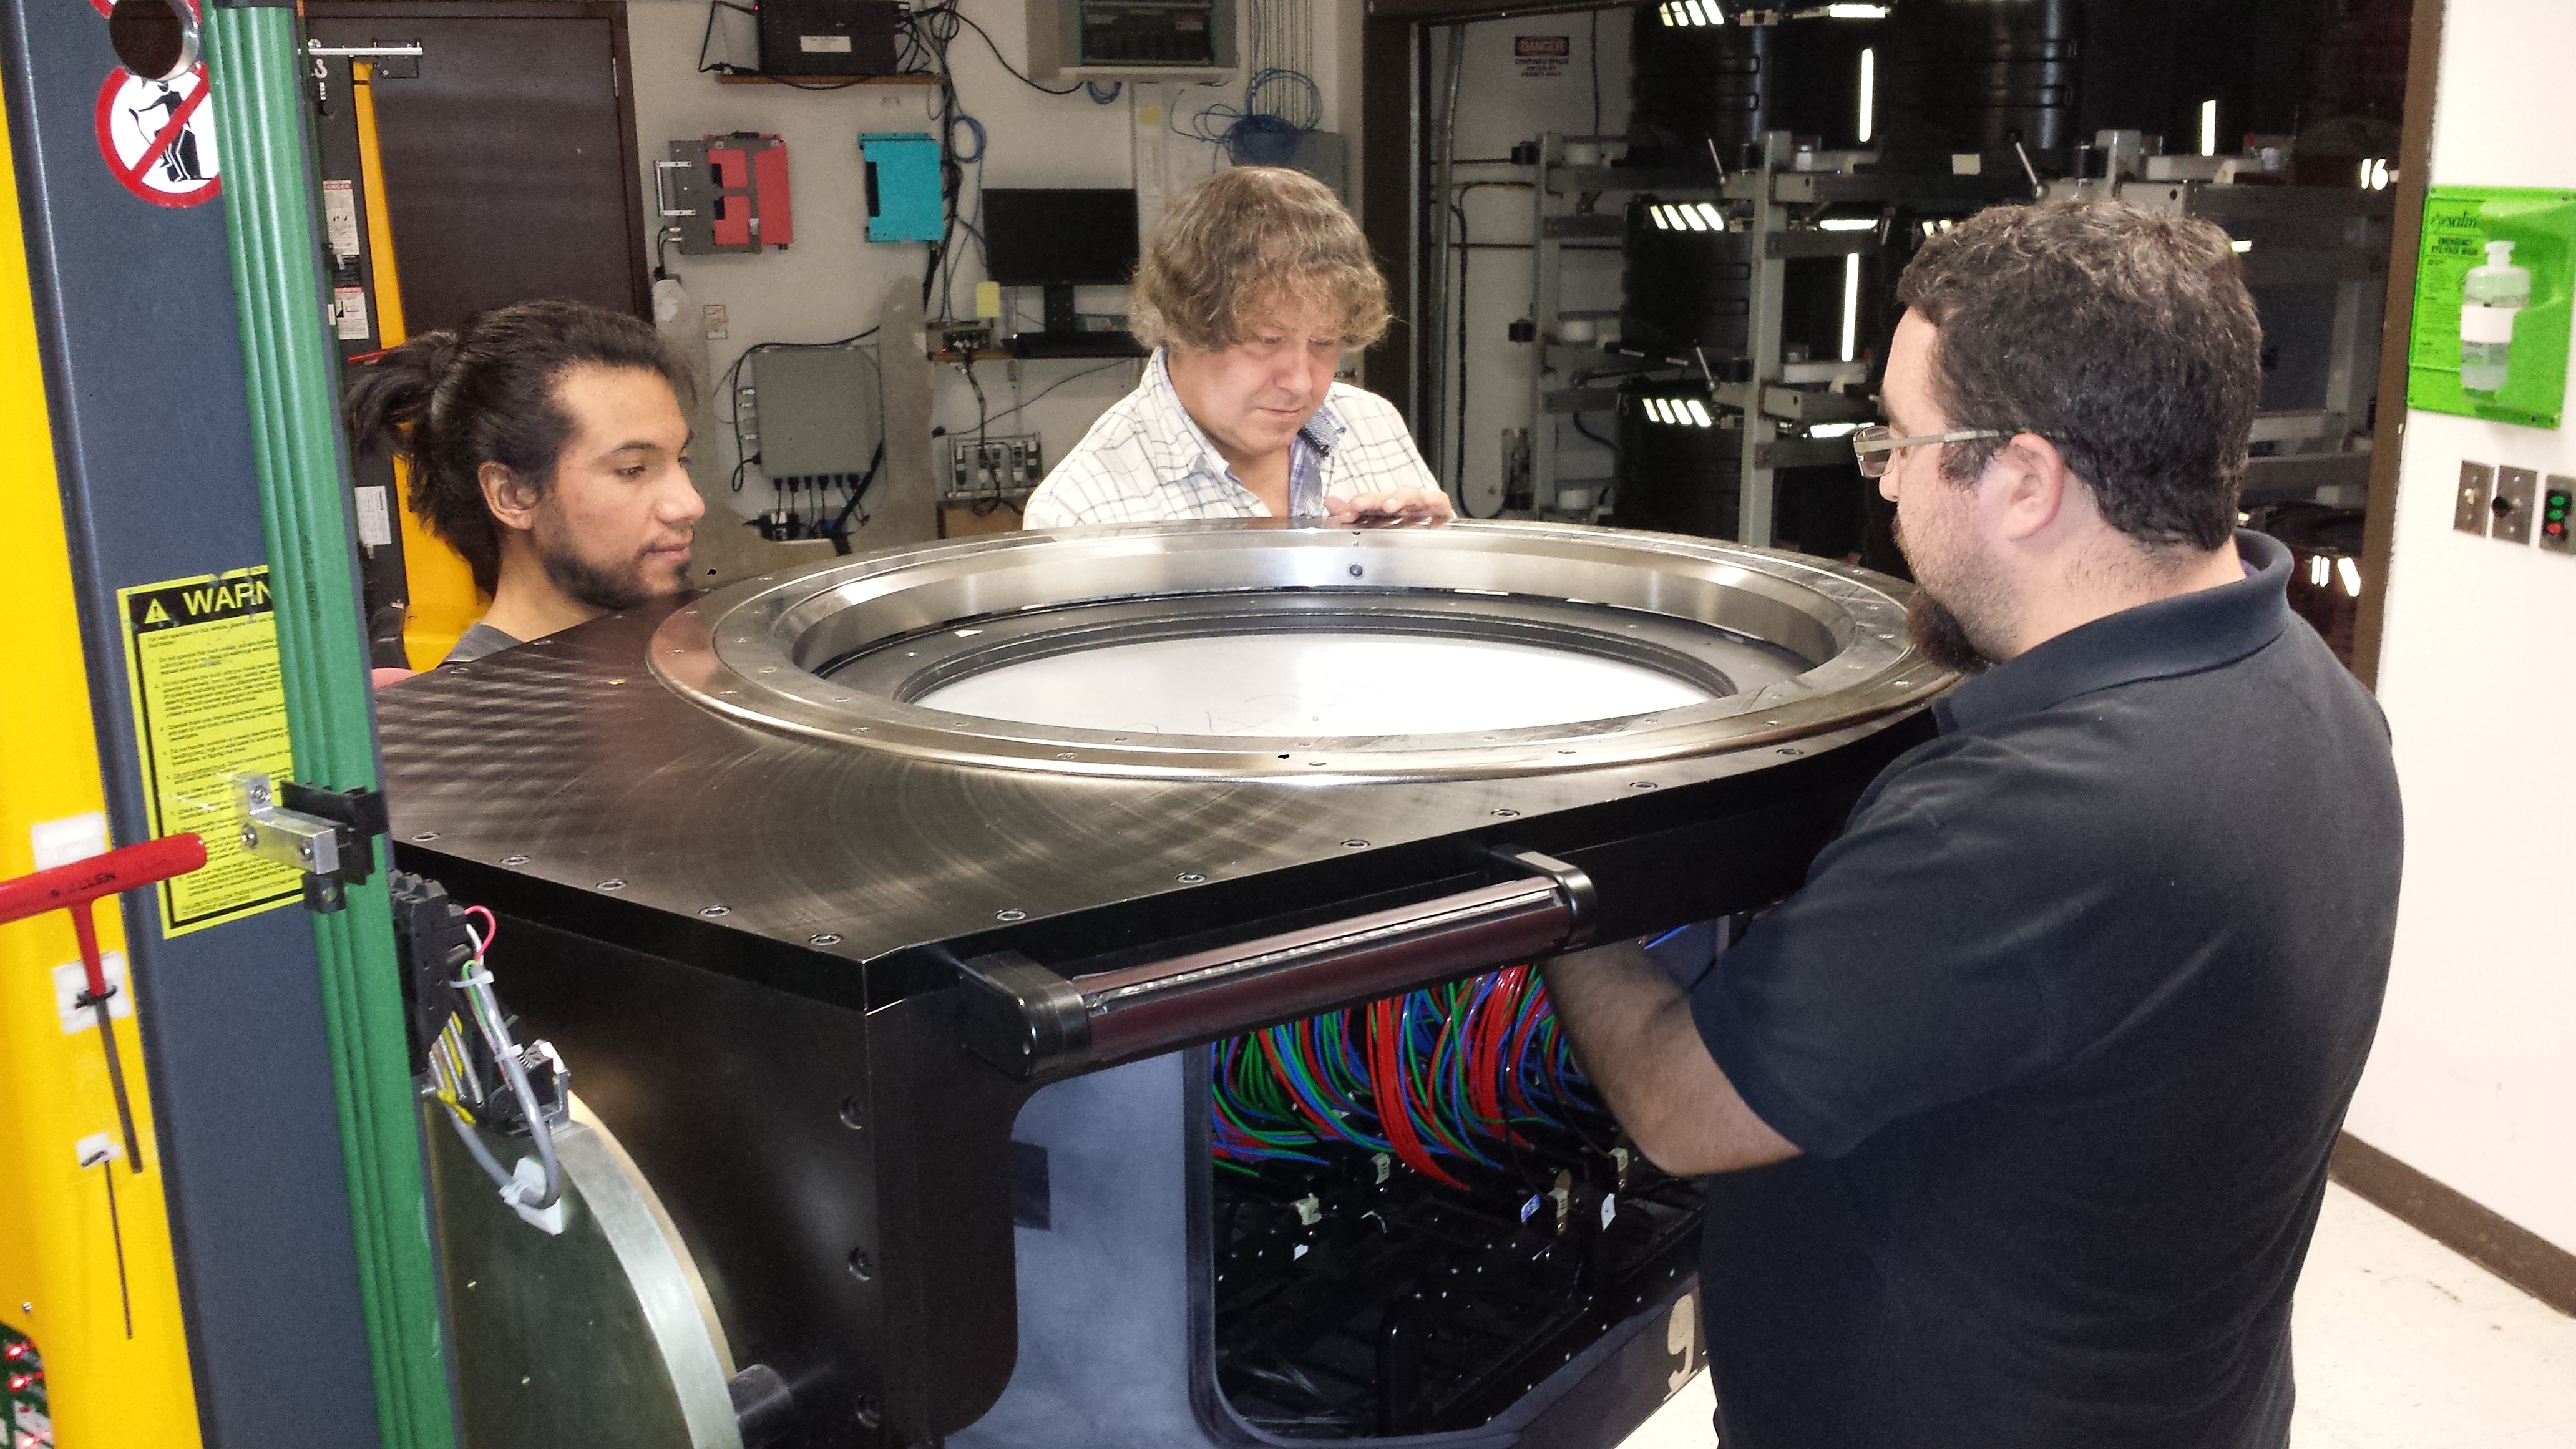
{"points": [[766, 651]]}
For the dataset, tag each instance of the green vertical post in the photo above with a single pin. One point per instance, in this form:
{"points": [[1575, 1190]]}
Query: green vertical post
{"points": [[269, 201]]}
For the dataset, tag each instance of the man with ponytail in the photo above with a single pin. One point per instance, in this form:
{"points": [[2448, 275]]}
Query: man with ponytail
{"points": [[548, 444]]}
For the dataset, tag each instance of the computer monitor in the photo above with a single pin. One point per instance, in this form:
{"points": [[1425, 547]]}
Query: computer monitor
{"points": [[1059, 238]]}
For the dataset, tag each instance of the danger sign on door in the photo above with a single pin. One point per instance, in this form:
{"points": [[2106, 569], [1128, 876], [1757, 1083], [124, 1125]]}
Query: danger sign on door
{"points": [[1542, 57], [158, 137]]}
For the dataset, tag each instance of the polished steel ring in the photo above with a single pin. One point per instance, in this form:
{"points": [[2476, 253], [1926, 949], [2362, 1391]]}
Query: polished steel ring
{"points": [[767, 651]]}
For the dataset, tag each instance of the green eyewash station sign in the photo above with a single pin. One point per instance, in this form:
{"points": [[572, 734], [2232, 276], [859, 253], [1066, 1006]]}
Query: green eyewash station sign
{"points": [[2492, 289]]}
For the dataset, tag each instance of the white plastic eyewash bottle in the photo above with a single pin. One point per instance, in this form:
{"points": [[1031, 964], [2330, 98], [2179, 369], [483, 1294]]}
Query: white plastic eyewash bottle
{"points": [[2489, 301]]}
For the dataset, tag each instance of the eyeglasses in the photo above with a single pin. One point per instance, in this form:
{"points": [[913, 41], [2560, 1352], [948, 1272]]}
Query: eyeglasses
{"points": [[1878, 451]]}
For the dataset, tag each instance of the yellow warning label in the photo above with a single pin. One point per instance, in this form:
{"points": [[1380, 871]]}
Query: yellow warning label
{"points": [[201, 657]]}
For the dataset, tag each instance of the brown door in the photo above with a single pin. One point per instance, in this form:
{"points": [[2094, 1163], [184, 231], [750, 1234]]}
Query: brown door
{"points": [[510, 169]]}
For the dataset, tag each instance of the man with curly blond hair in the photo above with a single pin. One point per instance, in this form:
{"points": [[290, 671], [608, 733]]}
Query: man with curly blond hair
{"points": [[1253, 288]]}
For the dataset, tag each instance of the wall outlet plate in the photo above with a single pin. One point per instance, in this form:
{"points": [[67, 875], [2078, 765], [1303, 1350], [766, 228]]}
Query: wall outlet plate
{"points": [[2517, 493], [2477, 487]]}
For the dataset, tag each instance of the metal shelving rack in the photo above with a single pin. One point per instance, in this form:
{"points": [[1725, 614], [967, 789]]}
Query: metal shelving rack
{"points": [[1562, 214], [1775, 399], [2290, 236]]}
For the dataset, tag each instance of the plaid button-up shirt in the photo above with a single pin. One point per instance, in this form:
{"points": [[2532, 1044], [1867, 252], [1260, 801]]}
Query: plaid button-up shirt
{"points": [[1146, 461]]}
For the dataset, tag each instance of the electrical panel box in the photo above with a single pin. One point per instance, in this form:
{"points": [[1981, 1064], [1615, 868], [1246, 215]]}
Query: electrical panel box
{"points": [[993, 466], [829, 37], [902, 169], [726, 194], [961, 338], [1132, 40], [817, 410]]}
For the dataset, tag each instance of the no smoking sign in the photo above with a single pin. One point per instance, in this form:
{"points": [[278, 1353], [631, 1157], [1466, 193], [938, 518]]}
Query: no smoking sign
{"points": [[157, 136]]}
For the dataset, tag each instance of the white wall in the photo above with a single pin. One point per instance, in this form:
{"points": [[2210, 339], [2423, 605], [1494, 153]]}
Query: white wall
{"points": [[2473, 1081], [831, 283]]}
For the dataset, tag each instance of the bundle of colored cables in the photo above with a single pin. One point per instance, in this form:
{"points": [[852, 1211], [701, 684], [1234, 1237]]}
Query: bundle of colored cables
{"points": [[1451, 1071]]}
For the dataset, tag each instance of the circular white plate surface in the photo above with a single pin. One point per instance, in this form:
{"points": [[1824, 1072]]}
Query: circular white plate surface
{"points": [[1314, 684]]}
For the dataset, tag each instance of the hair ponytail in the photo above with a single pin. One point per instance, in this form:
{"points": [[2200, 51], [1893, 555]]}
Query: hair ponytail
{"points": [[446, 403], [390, 400]]}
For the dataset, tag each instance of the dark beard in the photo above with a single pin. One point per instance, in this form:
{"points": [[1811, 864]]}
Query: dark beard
{"points": [[1935, 630], [595, 586], [1942, 638]]}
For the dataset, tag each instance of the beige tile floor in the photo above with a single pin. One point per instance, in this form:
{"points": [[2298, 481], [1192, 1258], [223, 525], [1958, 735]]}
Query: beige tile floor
{"points": [[2401, 1344]]}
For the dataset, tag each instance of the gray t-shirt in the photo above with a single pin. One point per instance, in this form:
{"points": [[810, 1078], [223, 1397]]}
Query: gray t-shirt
{"points": [[476, 642]]}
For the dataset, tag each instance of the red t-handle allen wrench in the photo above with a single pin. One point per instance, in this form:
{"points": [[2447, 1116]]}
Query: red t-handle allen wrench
{"points": [[72, 888]]}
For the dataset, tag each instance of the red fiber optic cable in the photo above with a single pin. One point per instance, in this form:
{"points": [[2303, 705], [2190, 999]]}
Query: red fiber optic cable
{"points": [[1394, 1109]]}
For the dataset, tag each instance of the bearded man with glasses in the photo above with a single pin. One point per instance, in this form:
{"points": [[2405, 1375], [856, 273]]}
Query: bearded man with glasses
{"points": [[2017, 1114]]}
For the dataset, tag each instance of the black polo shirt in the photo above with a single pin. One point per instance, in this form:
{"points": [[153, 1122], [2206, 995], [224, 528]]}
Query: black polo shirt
{"points": [[2065, 1023]]}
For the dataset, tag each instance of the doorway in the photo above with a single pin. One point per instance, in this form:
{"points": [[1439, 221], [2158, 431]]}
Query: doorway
{"points": [[509, 152]]}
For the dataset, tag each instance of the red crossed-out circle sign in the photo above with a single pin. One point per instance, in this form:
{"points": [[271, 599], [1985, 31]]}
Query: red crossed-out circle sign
{"points": [[158, 138]]}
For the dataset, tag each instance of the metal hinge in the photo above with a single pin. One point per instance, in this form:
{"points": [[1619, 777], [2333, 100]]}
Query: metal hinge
{"points": [[329, 835]]}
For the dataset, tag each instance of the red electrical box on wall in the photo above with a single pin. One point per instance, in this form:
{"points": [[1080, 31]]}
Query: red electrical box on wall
{"points": [[726, 193]]}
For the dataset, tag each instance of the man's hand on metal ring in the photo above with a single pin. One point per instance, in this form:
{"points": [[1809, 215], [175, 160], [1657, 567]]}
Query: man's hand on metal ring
{"points": [[1416, 506]]}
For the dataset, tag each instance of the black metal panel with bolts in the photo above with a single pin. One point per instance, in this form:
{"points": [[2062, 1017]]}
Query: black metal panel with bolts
{"points": [[765, 957]]}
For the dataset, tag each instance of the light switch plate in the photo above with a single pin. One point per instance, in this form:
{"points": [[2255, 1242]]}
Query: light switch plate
{"points": [[2517, 492], [2477, 487], [2557, 504]]}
